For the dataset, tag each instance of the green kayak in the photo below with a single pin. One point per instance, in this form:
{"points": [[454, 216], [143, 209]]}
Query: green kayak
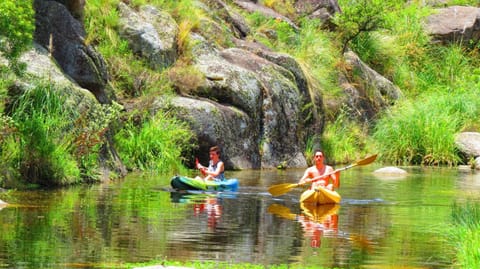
{"points": [[188, 183]]}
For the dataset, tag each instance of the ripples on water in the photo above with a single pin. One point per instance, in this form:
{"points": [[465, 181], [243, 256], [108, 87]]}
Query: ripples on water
{"points": [[380, 222]]}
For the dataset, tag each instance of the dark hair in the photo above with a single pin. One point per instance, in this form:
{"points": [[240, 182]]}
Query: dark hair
{"points": [[216, 149]]}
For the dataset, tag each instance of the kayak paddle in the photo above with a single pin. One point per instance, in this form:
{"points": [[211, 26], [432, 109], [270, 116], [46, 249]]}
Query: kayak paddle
{"points": [[283, 188]]}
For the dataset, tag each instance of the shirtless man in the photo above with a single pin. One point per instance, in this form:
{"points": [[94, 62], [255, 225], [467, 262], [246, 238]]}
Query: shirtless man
{"points": [[318, 170]]}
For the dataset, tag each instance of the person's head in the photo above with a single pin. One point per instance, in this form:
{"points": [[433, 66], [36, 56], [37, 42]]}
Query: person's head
{"points": [[214, 152], [318, 155]]}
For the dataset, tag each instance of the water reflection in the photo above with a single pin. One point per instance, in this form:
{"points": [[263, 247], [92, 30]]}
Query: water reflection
{"points": [[316, 221], [202, 204], [379, 223]]}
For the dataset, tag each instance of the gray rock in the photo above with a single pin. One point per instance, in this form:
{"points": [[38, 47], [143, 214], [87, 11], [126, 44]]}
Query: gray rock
{"points": [[455, 24], [468, 143], [150, 33], [56, 26]]}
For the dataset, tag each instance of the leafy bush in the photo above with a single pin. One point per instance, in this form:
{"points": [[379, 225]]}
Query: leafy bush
{"points": [[16, 29], [360, 16]]}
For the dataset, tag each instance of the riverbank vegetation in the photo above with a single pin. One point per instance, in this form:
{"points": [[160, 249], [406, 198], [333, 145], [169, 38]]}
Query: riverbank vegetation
{"points": [[439, 99], [392, 41]]}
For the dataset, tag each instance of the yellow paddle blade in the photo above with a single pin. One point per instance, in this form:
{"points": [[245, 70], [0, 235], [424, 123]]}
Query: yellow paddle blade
{"points": [[281, 211], [367, 160], [280, 189]]}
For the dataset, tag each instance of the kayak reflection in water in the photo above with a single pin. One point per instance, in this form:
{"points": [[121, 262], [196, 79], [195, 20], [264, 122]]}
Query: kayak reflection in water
{"points": [[316, 221], [212, 208], [215, 170], [319, 220], [202, 204]]}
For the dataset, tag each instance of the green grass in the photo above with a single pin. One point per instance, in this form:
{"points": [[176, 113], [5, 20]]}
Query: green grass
{"points": [[157, 144], [344, 140], [422, 131], [48, 141], [464, 234], [42, 121]]}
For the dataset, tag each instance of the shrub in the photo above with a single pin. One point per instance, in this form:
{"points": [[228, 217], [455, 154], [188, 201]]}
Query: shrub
{"points": [[16, 29]]}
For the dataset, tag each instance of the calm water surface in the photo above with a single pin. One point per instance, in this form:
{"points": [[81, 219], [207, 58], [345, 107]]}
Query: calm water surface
{"points": [[381, 222]]}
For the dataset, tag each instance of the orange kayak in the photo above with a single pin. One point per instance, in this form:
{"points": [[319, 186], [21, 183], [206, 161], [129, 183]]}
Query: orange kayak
{"points": [[320, 196]]}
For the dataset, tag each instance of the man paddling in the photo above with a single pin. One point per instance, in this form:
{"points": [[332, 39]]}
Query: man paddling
{"points": [[319, 169]]}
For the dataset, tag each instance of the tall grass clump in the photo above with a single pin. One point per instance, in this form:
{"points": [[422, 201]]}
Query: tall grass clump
{"points": [[464, 235], [157, 144], [344, 140], [42, 121], [447, 77], [46, 140], [318, 57], [422, 131], [396, 46]]}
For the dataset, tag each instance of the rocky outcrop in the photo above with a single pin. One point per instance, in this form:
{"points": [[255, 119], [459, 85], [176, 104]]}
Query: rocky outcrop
{"points": [[455, 24], [151, 34], [255, 103], [59, 32], [248, 105], [366, 91]]}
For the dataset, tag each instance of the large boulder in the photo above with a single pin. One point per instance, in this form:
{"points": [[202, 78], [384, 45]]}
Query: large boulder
{"points": [[248, 105], [151, 33], [455, 24], [468, 143], [366, 91], [64, 36]]}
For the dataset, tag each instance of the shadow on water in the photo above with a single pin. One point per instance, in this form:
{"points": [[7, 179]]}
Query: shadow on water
{"points": [[380, 222]]}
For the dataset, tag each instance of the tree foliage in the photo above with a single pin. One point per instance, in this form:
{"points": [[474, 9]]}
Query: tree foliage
{"points": [[16, 28], [359, 16]]}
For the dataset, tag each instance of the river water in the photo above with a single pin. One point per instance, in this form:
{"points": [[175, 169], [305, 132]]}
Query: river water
{"points": [[381, 222]]}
